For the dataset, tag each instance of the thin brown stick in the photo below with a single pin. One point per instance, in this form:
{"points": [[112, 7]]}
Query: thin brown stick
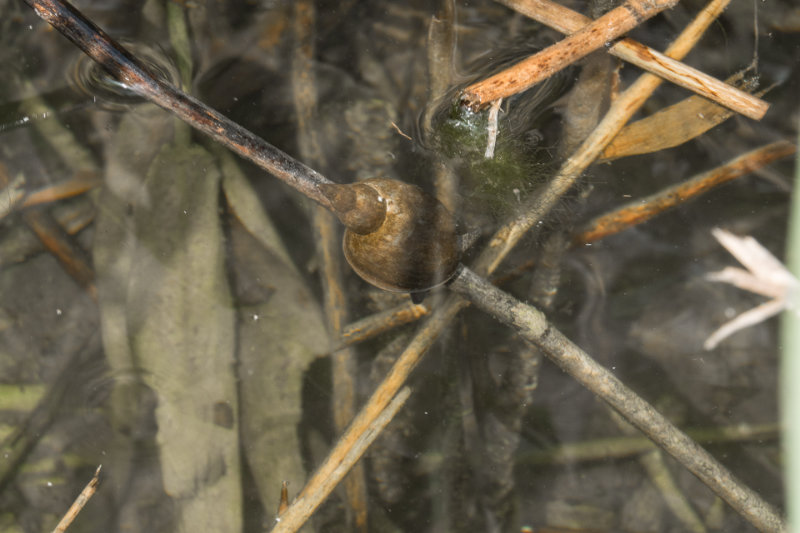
{"points": [[621, 110], [59, 243], [79, 503], [328, 250], [375, 324], [323, 484], [568, 21], [80, 183], [441, 71], [532, 325], [441, 47], [18, 245], [544, 64], [639, 211]]}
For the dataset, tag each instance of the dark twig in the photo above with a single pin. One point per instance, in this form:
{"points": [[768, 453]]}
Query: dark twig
{"points": [[59, 243], [137, 78], [373, 325], [79, 183], [532, 325]]}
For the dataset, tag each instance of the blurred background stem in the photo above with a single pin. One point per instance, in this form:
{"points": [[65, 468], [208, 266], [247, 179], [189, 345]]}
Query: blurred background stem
{"points": [[790, 369]]}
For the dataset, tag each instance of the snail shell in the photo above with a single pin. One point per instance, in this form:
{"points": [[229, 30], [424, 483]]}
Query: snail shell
{"points": [[398, 237]]}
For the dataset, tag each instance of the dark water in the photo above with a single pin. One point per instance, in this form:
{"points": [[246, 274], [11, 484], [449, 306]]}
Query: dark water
{"points": [[199, 377]]}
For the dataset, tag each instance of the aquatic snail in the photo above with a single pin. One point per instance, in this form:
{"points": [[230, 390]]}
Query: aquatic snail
{"points": [[398, 237]]}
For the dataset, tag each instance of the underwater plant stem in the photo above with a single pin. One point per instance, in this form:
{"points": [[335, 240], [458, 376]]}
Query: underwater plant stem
{"points": [[533, 326], [644, 209], [336, 467], [328, 247], [58, 242], [634, 444], [552, 59], [379, 404], [441, 50], [568, 21], [372, 325], [136, 77], [622, 109]]}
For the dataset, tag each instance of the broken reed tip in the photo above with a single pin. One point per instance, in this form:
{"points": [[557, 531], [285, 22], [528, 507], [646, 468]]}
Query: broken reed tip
{"points": [[470, 101]]}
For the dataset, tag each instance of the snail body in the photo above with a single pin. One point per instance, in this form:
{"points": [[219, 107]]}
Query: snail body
{"points": [[398, 237]]}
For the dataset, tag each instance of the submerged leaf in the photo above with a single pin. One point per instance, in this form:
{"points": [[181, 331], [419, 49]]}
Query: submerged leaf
{"points": [[168, 316], [669, 127]]}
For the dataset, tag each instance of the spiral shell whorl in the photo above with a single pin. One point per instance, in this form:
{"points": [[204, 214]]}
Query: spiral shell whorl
{"points": [[414, 248]]}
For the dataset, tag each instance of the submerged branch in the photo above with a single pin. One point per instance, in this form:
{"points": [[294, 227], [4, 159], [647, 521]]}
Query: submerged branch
{"points": [[532, 325]]}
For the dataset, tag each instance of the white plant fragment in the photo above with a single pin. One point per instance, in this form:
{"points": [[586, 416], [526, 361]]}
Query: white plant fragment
{"points": [[12, 195], [494, 111], [765, 275]]}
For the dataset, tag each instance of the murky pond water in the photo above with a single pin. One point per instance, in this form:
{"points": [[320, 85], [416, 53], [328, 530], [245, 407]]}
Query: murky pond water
{"points": [[174, 313]]}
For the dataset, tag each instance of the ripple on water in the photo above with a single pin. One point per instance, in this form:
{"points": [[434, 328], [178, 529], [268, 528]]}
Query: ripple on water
{"points": [[111, 94]]}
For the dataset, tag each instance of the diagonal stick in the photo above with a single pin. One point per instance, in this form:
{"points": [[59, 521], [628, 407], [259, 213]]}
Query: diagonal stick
{"points": [[568, 21], [544, 64], [136, 77]]}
